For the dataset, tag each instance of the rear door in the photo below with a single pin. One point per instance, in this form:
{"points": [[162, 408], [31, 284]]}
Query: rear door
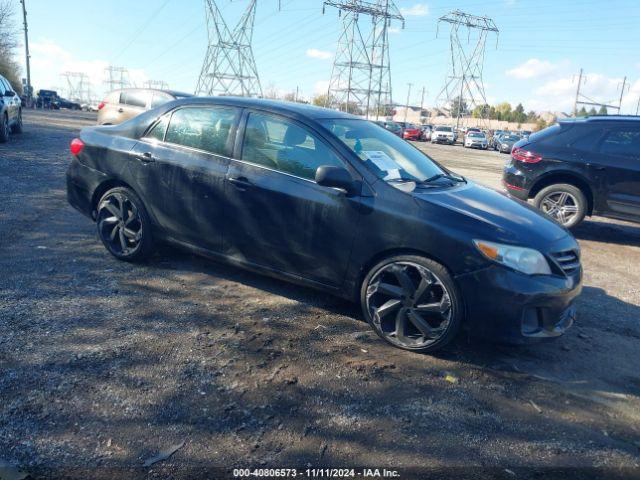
{"points": [[180, 165], [278, 217], [618, 165], [9, 100]]}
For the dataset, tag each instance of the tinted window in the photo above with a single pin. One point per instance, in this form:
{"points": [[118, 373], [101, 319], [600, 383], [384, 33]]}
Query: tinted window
{"points": [[4, 86], [134, 98], [157, 132], [624, 141], [286, 147], [581, 137], [160, 98], [206, 129]]}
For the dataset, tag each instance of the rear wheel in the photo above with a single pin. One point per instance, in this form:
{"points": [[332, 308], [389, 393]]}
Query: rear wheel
{"points": [[565, 203], [4, 129], [124, 225], [412, 303]]}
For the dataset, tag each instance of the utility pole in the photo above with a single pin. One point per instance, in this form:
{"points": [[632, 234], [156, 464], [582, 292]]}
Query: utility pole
{"points": [[29, 89], [638, 106], [422, 102], [468, 36], [406, 108], [624, 84], [575, 104]]}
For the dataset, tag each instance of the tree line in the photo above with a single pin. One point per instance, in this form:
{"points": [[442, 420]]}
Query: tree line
{"points": [[9, 68]]}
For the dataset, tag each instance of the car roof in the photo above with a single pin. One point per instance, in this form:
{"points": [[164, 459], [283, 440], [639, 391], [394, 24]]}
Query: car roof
{"points": [[276, 106], [601, 118]]}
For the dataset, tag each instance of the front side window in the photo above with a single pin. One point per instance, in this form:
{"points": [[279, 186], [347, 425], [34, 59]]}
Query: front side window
{"points": [[388, 156], [282, 145], [625, 141], [206, 128]]}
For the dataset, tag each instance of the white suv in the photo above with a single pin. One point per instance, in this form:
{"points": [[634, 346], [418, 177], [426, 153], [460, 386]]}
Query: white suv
{"points": [[443, 134]]}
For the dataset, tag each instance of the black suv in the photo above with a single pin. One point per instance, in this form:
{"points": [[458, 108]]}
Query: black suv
{"points": [[578, 167]]}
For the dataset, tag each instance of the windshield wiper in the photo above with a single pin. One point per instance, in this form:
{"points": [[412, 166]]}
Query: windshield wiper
{"points": [[455, 178]]}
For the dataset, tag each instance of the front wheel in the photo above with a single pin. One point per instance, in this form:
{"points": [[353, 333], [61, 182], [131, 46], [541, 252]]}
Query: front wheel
{"points": [[564, 202], [124, 225], [412, 303]]}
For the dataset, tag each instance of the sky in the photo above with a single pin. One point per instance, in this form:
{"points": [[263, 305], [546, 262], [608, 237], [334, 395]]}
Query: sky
{"points": [[535, 59]]}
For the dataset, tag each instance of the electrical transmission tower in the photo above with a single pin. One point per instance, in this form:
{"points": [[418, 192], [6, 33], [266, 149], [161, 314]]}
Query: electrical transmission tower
{"points": [[229, 67], [361, 75], [464, 87], [116, 78], [78, 86], [583, 100], [156, 84]]}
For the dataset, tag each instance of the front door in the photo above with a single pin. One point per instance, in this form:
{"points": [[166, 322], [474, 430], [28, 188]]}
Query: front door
{"points": [[180, 166], [278, 217], [618, 166]]}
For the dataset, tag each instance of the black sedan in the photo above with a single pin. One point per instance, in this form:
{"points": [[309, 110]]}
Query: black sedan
{"points": [[332, 201]]}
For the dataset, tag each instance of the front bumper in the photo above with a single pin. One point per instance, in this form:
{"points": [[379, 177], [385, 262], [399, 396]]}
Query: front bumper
{"points": [[443, 140], [510, 307]]}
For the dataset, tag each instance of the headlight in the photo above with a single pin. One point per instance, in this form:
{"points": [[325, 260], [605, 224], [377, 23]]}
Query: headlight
{"points": [[504, 145], [525, 260]]}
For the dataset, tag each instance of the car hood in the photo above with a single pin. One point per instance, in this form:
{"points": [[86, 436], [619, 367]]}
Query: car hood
{"points": [[489, 213]]}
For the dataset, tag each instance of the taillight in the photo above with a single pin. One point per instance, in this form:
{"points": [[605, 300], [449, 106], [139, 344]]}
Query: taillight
{"points": [[76, 146], [522, 155], [101, 105]]}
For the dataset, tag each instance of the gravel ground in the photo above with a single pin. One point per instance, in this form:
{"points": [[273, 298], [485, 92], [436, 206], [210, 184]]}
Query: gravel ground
{"points": [[104, 364]]}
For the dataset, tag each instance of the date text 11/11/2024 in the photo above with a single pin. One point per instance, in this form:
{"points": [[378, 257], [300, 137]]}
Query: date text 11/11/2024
{"points": [[316, 473]]}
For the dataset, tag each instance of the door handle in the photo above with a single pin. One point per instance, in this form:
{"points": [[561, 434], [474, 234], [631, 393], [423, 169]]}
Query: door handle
{"points": [[596, 167], [241, 183], [146, 157]]}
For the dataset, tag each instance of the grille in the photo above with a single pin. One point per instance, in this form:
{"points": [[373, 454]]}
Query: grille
{"points": [[568, 261]]}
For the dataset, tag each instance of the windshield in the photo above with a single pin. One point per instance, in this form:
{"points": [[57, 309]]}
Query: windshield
{"points": [[388, 156], [443, 129], [511, 138], [476, 135]]}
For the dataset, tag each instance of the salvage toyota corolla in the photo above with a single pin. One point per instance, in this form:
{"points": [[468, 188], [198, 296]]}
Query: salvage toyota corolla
{"points": [[332, 201]]}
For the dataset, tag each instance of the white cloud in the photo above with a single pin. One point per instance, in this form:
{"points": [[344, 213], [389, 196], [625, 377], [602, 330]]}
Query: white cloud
{"points": [[558, 94], [418, 10], [532, 68], [321, 54], [394, 30], [49, 60]]}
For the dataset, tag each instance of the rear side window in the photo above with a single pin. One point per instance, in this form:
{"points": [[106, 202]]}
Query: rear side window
{"points": [[158, 130], [583, 137], [207, 129], [134, 98], [624, 141]]}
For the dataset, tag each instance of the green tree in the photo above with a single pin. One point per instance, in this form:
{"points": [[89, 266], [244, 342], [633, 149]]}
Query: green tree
{"points": [[592, 111], [540, 124], [481, 111], [459, 107], [603, 111], [582, 112], [518, 114], [503, 111], [320, 100]]}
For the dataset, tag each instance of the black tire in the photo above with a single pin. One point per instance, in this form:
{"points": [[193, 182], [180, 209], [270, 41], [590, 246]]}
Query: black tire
{"points": [[438, 301], [123, 225], [570, 203], [4, 128], [17, 127]]}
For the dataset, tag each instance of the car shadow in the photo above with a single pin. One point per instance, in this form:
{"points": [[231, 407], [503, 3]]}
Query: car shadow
{"points": [[619, 233]]}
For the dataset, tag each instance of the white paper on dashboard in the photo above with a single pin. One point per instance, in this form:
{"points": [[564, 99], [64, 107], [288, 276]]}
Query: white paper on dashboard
{"points": [[381, 160]]}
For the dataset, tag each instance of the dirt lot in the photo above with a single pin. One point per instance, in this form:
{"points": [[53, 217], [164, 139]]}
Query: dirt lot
{"points": [[104, 364]]}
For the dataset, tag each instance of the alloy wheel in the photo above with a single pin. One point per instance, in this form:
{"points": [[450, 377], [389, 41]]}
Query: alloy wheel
{"points": [[119, 224], [409, 305], [562, 206]]}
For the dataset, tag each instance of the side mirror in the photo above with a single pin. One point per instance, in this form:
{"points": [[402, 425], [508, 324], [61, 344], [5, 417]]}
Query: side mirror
{"points": [[336, 177]]}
